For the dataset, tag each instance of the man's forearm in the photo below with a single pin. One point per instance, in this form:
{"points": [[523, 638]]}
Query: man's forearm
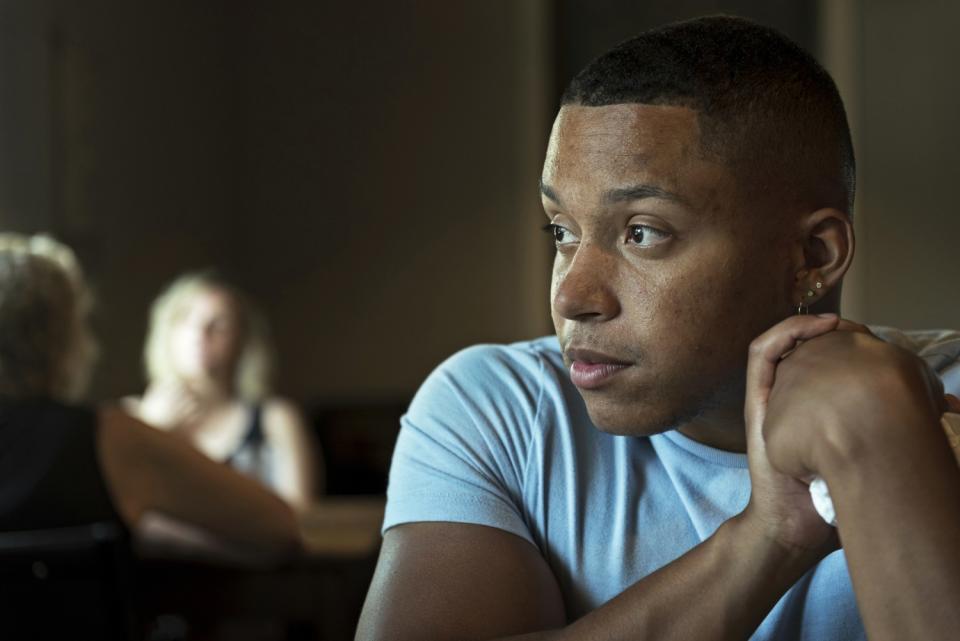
{"points": [[734, 578], [898, 511]]}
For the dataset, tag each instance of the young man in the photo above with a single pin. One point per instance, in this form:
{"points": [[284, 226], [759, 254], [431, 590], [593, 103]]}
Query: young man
{"points": [[594, 485]]}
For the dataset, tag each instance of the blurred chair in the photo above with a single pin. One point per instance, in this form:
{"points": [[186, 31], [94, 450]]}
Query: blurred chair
{"points": [[357, 440], [71, 582]]}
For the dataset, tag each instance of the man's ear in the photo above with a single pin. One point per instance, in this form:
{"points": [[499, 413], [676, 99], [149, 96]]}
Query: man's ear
{"points": [[827, 251]]}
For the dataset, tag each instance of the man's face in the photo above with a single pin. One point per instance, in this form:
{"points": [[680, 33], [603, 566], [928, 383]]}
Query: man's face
{"points": [[663, 274]]}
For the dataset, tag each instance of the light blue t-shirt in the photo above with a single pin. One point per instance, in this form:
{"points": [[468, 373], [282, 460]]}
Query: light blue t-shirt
{"points": [[499, 436]]}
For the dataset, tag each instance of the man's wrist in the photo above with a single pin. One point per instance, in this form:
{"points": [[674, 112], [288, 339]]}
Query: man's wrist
{"points": [[846, 450], [782, 562]]}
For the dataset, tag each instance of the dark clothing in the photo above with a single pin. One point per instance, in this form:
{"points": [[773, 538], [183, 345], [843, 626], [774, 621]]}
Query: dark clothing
{"points": [[254, 456], [49, 469], [64, 552], [253, 438]]}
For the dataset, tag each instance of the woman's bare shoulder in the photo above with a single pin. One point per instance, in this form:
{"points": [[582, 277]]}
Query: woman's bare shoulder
{"points": [[281, 409], [282, 419]]}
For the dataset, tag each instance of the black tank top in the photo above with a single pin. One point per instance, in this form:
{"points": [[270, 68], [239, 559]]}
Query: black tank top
{"points": [[253, 456], [49, 470], [253, 438]]}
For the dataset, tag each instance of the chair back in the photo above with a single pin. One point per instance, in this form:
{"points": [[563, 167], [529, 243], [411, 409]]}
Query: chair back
{"points": [[63, 583]]}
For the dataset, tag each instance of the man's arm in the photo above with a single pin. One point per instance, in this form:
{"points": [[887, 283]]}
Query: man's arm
{"points": [[458, 581], [440, 581], [877, 441]]}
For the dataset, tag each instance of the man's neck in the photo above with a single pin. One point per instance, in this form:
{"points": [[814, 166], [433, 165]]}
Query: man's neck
{"points": [[722, 428]]}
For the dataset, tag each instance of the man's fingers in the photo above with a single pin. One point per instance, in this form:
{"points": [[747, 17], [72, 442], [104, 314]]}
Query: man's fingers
{"points": [[767, 349]]}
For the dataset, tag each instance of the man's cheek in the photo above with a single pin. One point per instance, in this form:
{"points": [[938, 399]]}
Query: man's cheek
{"points": [[680, 304], [560, 268]]}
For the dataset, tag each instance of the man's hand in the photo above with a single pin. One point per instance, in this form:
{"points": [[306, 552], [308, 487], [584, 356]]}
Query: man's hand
{"points": [[780, 505], [840, 393], [865, 415]]}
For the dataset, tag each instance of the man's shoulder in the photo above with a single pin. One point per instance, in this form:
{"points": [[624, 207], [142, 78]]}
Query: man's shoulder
{"points": [[468, 438], [495, 388]]}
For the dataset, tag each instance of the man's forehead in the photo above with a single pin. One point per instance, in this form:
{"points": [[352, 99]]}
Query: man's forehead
{"points": [[634, 133], [623, 144], [624, 122]]}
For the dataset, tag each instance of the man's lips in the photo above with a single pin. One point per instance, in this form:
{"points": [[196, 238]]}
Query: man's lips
{"points": [[590, 369]]}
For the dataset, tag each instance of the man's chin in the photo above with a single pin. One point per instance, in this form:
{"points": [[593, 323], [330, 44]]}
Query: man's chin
{"points": [[635, 419]]}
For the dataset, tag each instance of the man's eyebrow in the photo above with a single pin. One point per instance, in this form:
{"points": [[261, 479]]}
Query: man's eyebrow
{"points": [[624, 194], [548, 191], [639, 192]]}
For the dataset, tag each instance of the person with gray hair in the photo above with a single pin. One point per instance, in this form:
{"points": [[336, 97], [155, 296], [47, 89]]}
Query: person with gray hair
{"points": [[63, 463], [47, 347]]}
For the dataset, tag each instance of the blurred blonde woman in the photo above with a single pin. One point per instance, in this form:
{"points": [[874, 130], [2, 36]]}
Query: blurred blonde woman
{"points": [[63, 463], [208, 363]]}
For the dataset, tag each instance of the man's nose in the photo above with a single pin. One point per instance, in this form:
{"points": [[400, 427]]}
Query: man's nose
{"points": [[585, 291]]}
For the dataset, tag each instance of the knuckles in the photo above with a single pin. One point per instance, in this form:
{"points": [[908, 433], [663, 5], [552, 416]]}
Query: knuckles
{"points": [[840, 391], [859, 362], [756, 347]]}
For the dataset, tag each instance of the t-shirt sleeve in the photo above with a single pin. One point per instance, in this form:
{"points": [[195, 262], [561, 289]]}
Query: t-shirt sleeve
{"points": [[464, 442]]}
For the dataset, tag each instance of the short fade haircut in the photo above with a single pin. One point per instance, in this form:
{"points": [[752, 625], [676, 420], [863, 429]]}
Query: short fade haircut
{"points": [[766, 107]]}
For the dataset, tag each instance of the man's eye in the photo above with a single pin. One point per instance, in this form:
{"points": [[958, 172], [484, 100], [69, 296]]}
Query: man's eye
{"points": [[561, 235], [645, 236]]}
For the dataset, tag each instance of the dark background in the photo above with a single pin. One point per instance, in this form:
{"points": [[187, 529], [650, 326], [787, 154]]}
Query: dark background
{"points": [[368, 170]]}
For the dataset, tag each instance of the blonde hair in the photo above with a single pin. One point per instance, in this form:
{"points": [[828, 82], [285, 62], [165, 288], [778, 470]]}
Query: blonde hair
{"points": [[253, 369], [46, 347]]}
